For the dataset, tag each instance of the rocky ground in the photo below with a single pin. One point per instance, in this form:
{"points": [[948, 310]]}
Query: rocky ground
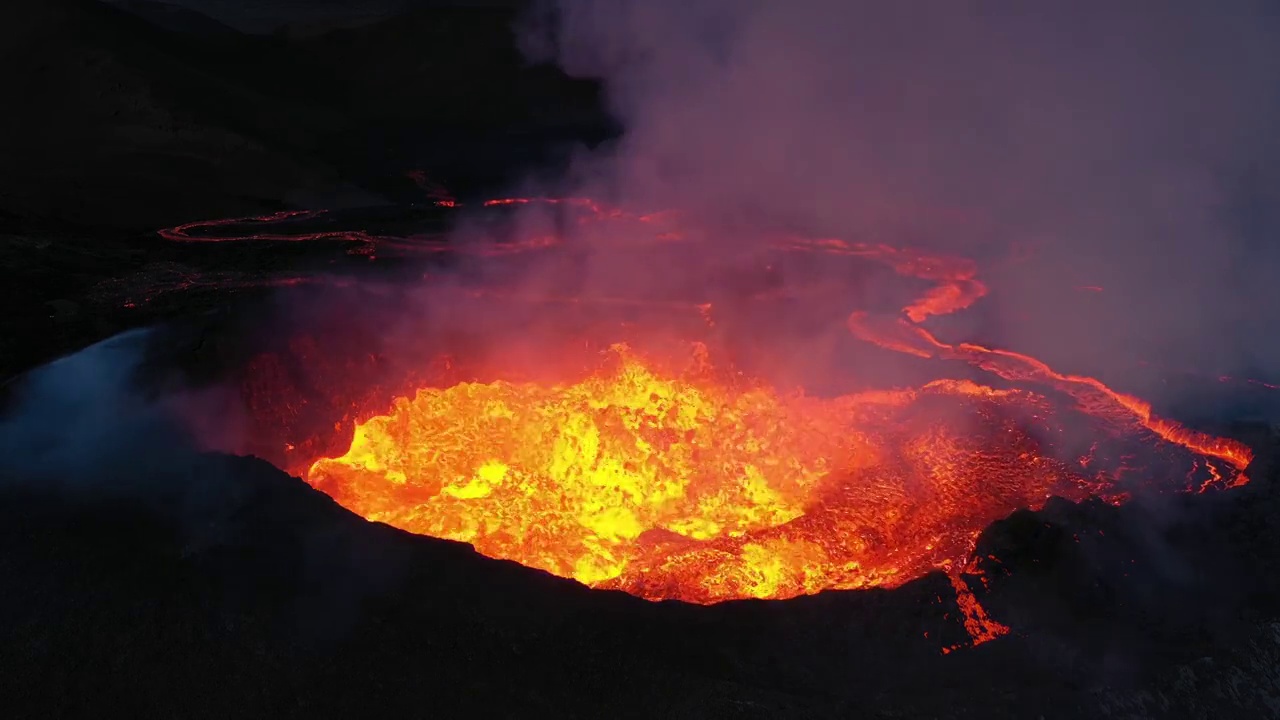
{"points": [[190, 585]]}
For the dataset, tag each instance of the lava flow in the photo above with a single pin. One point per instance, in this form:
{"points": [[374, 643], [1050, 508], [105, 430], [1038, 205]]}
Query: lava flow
{"points": [[687, 481], [697, 486]]}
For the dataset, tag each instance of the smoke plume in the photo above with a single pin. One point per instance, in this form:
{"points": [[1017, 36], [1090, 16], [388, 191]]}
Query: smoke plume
{"points": [[1125, 146], [83, 424]]}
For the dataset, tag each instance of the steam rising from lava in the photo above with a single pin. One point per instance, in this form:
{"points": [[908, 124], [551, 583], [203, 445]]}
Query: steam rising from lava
{"points": [[82, 423], [1127, 146], [1112, 140]]}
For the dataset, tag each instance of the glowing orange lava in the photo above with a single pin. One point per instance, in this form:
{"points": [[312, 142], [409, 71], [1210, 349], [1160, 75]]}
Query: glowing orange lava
{"points": [[694, 486], [688, 481]]}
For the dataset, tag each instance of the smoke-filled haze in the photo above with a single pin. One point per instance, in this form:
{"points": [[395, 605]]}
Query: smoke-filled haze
{"points": [[1130, 146]]}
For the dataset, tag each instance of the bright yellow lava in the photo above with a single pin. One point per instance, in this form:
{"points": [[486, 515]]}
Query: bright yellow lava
{"points": [[697, 486], [569, 478]]}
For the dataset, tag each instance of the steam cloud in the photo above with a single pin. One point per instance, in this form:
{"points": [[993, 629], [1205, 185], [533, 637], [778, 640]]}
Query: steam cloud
{"points": [[83, 424], [1128, 145]]}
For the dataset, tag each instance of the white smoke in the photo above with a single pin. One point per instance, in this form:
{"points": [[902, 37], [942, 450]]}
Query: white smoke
{"points": [[1131, 144], [83, 423]]}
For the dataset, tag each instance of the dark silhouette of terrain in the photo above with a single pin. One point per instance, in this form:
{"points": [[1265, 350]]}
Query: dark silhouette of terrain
{"points": [[117, 122], [177, 18], [447, 89], [122, 123], [207, 586], [266, 16]]}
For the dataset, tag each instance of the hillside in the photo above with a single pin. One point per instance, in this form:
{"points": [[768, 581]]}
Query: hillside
{"points": [[445, 89], [121, 125], [125, 124], [176, 18]]}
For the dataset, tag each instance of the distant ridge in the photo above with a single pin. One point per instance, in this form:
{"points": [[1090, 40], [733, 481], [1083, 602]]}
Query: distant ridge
{"points": [[175, 18], [122, 123], [128, 121]]}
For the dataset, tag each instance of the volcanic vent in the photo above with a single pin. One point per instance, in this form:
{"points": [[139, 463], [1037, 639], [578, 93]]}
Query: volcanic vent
{"points": [[675, 469]]}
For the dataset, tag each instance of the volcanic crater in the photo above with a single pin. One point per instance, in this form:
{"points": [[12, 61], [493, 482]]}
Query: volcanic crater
{"points": [[663, 441], [811, 482]]}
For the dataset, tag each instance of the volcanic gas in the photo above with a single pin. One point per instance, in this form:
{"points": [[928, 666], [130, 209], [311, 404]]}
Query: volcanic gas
{"points": [[676, 475]]}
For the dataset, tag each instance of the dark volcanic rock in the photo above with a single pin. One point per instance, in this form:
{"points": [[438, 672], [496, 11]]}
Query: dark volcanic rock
{"points": [[116, 121], [242, 590], [208, 586], [444, 88], [112, 121]]}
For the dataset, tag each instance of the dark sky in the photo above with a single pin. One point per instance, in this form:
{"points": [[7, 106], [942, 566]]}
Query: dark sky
{"points": [[266, 15]]}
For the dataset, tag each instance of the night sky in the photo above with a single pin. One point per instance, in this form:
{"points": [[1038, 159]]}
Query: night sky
{"points": [[267, 15]]}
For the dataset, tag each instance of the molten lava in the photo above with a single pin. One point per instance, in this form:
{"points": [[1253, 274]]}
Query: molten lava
{"points": [[694, 485], [688, 481]]}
